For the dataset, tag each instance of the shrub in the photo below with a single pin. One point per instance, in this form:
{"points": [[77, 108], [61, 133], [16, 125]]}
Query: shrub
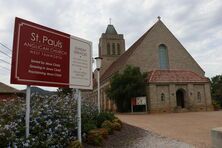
{"points": [[94, 138], [101, 131], [75, 144], [89, 125], [103, 116], [117, 120], [216, 105], [108, 125], [116, 126], [104, 132], [89, 111], [52, 121]]}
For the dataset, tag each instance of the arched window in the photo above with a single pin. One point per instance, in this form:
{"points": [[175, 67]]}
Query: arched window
{"points": [[163, 57], [113, 49], [162, 97], [118, 49], [108, 49]]}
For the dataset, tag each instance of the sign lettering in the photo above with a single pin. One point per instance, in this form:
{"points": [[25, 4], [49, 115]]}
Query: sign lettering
{"points": [[46, 57]]}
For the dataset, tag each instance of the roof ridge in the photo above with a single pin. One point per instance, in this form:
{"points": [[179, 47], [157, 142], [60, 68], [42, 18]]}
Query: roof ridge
{"points": [[130, 50], [183, 46]]}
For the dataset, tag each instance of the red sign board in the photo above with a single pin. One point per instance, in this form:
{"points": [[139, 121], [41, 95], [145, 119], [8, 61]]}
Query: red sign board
{"points": [[41, 56]]}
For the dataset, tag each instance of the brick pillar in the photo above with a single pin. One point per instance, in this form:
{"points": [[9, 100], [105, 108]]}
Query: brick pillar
{"points": [[190, 94], [207, 93], [153, 97], [172, 95]]}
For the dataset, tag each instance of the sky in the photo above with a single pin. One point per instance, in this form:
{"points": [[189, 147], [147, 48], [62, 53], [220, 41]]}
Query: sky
{"points": [[197, 24]]}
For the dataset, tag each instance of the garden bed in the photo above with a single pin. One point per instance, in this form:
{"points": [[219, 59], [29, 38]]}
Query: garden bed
{"points": [[121, 139]]}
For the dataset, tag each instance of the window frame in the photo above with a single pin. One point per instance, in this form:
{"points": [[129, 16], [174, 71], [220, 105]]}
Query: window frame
{"points": [[163, 57], [113, 49], [118, 49], [199, 97]]}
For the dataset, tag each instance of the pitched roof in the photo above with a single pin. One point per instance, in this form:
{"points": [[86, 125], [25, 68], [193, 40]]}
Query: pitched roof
{"points": [[7, 89], [175, 76], [110, 29], [116, 65]]}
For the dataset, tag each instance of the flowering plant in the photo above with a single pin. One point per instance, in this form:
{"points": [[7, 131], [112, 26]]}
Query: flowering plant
{"points": [[53, 121]]}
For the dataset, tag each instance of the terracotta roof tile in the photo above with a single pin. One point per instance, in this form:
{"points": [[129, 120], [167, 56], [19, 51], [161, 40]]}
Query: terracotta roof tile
{"points": [[161, 76]]}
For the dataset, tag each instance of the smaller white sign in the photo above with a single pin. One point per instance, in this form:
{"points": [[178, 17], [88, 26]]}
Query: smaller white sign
{"points": [[140, 100], [80, 63]]}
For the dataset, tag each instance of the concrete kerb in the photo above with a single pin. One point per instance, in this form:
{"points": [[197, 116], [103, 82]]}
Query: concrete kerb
{"points": [[216, 137]]}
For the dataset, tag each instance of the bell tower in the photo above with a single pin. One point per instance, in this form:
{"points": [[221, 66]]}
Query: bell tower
{"points": [[111, 46]]}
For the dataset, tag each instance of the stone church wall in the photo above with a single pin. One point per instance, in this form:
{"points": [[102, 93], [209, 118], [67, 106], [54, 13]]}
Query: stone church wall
{"points": [[160, 97], [168, 103], [147, 58]]}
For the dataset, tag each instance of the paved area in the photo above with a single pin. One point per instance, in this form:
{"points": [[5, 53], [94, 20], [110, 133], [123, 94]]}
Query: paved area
{"points": [[192, 127]]}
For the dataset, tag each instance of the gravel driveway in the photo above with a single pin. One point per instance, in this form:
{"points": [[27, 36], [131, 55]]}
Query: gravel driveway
{"points": [[192, 127], [134, 137]]}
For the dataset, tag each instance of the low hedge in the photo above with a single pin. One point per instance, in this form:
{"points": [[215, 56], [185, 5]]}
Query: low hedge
{"points": [[75, 144], [108, 125], [97, 130], [117, 120], [116, 126], [103, 116], [95, 136], [89, 125]]}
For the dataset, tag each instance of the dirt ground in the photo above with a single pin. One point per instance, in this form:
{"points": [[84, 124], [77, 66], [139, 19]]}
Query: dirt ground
{"points": [[192, 127]]}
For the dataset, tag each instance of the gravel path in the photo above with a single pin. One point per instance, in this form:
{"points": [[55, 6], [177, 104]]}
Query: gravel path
{"points": [[152, 140], [133, 137]]}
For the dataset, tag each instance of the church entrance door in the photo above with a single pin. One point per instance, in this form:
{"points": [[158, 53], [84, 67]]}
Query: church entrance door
{"points": [[180, 98]]}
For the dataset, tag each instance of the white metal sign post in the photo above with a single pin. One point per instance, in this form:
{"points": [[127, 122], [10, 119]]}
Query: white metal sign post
{"points": [[79, 115], [76, 93], [27, 114]]}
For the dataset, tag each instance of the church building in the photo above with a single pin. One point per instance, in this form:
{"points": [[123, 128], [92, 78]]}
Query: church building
{"points": [[175, 81]]}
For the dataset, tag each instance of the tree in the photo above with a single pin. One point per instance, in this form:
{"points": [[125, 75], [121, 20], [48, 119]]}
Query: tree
{"points": [[64, 91], [216, 89], [126, 85]]}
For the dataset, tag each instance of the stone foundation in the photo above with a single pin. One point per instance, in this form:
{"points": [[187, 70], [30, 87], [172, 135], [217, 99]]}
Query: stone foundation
{"points": [[179, 109]]}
